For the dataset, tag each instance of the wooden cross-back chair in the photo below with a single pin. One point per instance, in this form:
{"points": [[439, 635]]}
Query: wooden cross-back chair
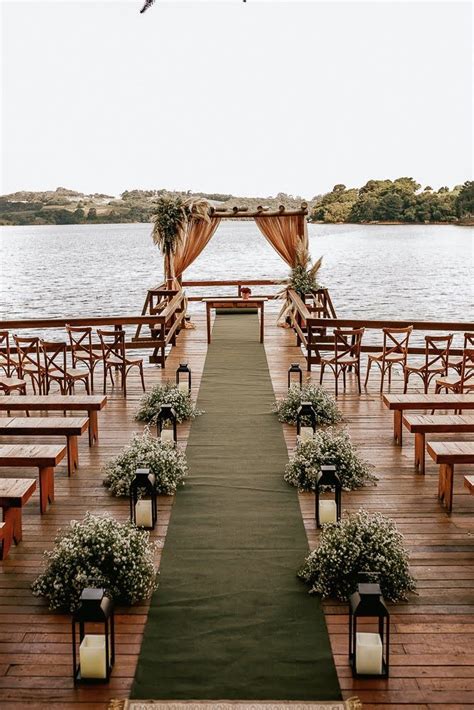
{"points": [[10, 381], [463, 383], [347, 344], [56, 369], [456, 363], [80, 340], [436, 361], [394, 352], [115, 358], [29, 362]]}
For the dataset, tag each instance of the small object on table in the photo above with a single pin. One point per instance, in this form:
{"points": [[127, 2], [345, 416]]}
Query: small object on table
{"points": [[229, 302]]}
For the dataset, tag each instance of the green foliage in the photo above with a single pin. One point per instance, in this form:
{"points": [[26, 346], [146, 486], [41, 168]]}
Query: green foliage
{"points": [[465, 200], [328, 446], [168, 393], [97, 552], [361, 542], [165, 461], [323, 404], [303, 280], [169, 220]]}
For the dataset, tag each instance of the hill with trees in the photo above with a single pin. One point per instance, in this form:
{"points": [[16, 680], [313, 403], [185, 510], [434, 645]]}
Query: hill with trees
{"points": [[401, 200]]}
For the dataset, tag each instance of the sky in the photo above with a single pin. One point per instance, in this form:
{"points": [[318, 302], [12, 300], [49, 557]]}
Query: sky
{"points": [[249, 98]]}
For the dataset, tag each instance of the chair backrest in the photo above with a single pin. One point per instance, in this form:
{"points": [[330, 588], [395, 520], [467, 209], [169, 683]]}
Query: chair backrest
{"points": [[437, 351], [113, 344], [468, 340], [395, 341], [5, 361], [28, 355], [80, 340], [467, 369], [54, 359], [347, 343]]}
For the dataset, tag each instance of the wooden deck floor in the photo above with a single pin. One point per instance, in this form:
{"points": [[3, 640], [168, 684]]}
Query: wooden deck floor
{"points": [[432, 662]]}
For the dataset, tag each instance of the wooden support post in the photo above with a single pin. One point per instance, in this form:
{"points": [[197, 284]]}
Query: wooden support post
{"points": [[72, 454], [397, 426], [420, 452], [46, 480], [93, 427]]}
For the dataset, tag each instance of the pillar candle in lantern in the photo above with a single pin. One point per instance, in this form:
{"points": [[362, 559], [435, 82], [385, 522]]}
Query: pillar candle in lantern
{"points": [[327, 511], [144, 514], [368, 654], [167, 435], [183, 386], [92, 656], [306, 433]]}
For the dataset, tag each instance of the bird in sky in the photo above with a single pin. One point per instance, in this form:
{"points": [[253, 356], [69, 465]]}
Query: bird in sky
{"points": [[147, 4]]}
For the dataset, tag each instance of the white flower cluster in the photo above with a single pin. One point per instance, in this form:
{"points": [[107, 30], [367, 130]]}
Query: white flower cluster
{"points": [[323, 404], [359, 543], [328, 446], [166, 461], [98, 552], [168, 393]]}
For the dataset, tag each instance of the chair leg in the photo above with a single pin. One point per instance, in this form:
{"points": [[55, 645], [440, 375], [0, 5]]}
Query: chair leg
{"points": [[344, 378], [382, 376], [142, 376], [321, 374], [369, 365], [357, 368], [105, 379], [336, 373], [405, 384]]}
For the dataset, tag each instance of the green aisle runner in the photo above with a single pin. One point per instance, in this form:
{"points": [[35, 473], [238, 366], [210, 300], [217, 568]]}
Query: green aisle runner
{"points": [[230, 620]]}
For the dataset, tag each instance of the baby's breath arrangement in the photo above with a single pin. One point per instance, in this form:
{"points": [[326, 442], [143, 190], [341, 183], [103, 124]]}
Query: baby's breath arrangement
{"points": [[97, 552], [361, 542], [166, 461], [168, 393], [323, 404], [328, 446]]}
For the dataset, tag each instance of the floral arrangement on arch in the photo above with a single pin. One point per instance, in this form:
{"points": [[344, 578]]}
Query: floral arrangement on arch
{"points": [[303, 279], [323, 404], [165, 460], [328, 446], [98, 551], [167, 393], [359, 543]]}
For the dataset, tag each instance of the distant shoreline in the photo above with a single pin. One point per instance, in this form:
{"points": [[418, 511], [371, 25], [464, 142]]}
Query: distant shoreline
{"points": [[243, 219]]}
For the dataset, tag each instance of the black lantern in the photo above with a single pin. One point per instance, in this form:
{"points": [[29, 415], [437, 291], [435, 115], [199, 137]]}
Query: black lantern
{"points": [[305, 412], [143, 505], [96, 650], [166, 424], [182, 373], [369, 652], [326, 510], [295, 374]]}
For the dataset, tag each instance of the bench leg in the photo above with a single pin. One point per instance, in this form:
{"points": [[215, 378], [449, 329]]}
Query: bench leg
{"points": [[397, 426], [420, 452], [93, 427], [12, 532], [72, 454], [445, 485], [46, 477]]}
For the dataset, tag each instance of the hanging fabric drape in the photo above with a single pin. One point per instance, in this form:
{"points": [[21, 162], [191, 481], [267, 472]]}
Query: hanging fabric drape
{"points": [[198, 233], [288, 235]]}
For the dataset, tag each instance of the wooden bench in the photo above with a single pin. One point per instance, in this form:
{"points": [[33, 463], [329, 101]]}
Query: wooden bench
{"points": [[402, 402], [447, 454], [41, 456], [14, 493], [469, 483], [70, 427], [90, 403], [422, 424]]}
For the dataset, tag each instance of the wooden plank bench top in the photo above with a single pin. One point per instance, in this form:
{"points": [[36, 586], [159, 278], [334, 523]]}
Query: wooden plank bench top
{"points": [[469, 483], [422, 424], [14, 493], [37, 455], [447, 454], [92, 403], [70, 427], [44, 457], [398, 403]]}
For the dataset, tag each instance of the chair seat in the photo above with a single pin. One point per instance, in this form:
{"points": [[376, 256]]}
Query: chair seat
{"points": [[422, 368], [84, 357], [390, 357], [76, 373], [11, 383], [449, 381], [341, 361], [116, 361]]}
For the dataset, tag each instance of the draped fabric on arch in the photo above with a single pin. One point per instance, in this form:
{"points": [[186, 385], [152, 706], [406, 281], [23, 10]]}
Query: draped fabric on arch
{"points": [[198, 233], [286, 234]]}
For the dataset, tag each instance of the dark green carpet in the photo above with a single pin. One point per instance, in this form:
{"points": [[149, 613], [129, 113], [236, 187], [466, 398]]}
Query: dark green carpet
{"points": [[230, 620]]}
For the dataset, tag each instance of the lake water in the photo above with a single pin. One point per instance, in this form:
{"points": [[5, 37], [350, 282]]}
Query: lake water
{"points": [[399, 272]]}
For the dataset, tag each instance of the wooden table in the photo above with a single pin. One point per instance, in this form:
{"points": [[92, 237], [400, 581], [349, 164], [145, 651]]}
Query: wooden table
{"points": [[402, 402], [91, 403], [70, 427], [422, 424], [229, 302]]}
